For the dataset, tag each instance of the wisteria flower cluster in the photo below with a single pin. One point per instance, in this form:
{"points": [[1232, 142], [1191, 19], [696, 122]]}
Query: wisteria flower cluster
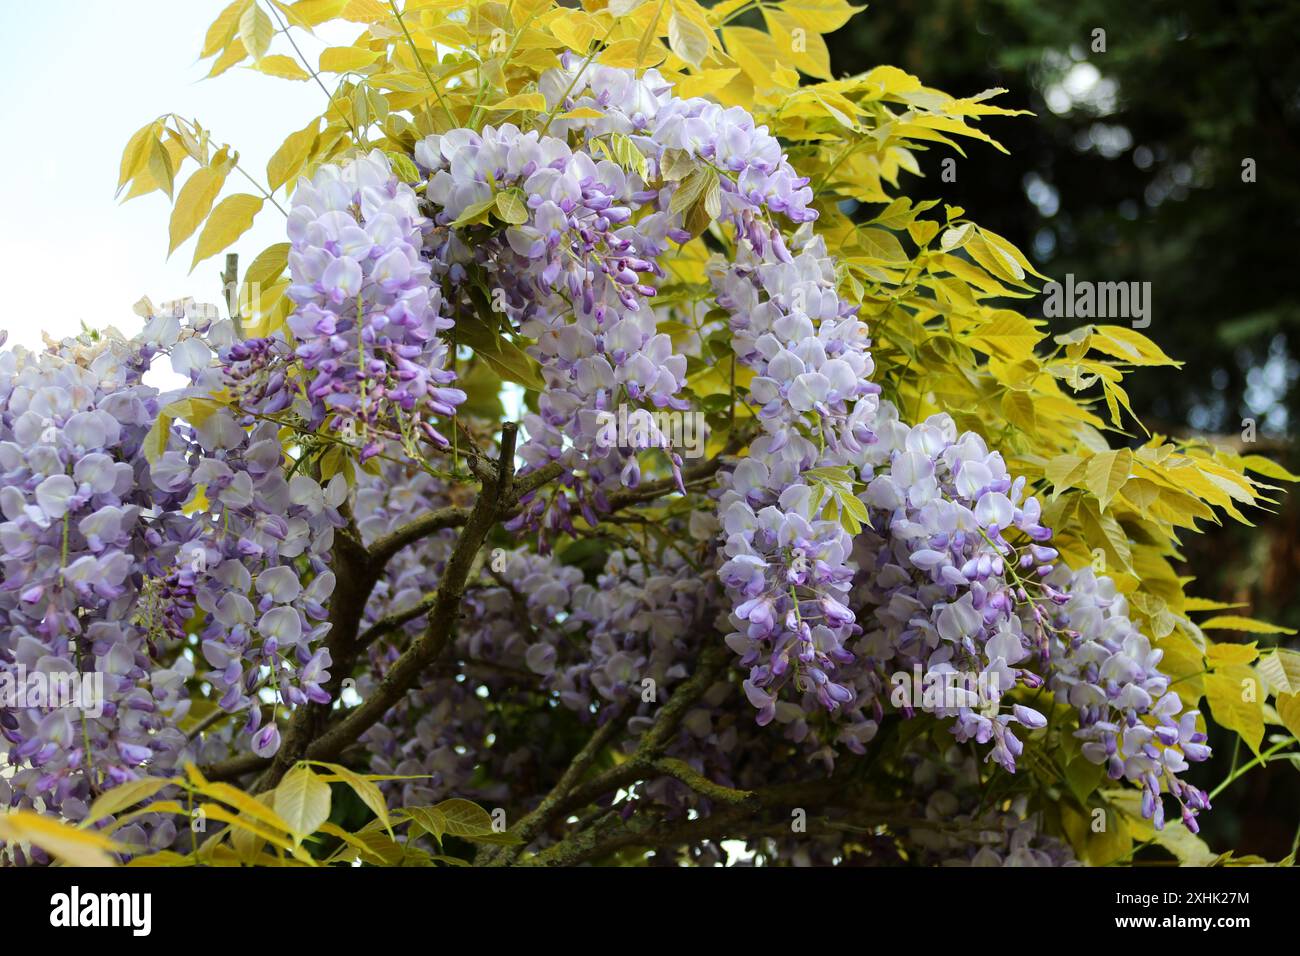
{"points": [[571, 274], [788, 564], [942, 581], [187, 545], [576, 266], [1111, 674], [367, 314], [76, 535], [139, 572]]}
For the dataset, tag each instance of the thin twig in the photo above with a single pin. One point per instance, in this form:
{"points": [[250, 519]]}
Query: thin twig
{"points": [[284, 28], [420, 60], [536, 821]]}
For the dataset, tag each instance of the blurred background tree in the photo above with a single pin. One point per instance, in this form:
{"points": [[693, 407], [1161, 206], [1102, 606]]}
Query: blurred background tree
{"points": [[1135, 169]]}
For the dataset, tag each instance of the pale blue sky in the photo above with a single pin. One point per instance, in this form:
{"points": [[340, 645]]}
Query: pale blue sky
{"points": [[80, 76]]}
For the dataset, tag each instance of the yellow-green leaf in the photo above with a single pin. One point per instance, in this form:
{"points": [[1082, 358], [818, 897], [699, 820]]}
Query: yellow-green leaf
{"points": [[621, 8], [1142, 493], [194, 203], [160, 166], [796, 45], [535, 102], [268, 265], [1288, 708], [244, 841], [1128, 346], [289, 159], [511, 208], [754, 50], [998, 263], [406, 170], [392, 851], [687, 39], [123, 796], [285, 67], [1015, 259], [1184, 662], [1232, 622], [215, 811], [1268, 468], [628, 155], [222, 29], [693, 189], [1109, 844], [1105, 532], [312, 13], [429, 819], [1226, 655], [369, 794], [246, 804], [1018, 409], [135, 154], [1233, 694], [820, 16], [1010, 335], [72, 846], [513, 364], [475, 213], [256, 30], [881, 244], [1107, 472], [464, 818], [230, 220], [163, 858], [1281, 668], [1204, 604], [155, 441], [381, 847], [345, 59], [956, 236], [232, 54], [303, 800], [1065, 471]]}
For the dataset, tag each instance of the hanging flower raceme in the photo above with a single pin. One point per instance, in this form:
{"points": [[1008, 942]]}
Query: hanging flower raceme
{"points": [[943, 583], [134, 546], [1129, 720], [255, 561], [788, 564], [571, 272], [366, 318], [78, 529], [580, 256]]}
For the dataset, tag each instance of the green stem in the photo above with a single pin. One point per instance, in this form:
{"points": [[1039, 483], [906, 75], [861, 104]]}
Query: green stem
{"points": [[550, 117], [482, 90], [1241, 771], [420, 60]]}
